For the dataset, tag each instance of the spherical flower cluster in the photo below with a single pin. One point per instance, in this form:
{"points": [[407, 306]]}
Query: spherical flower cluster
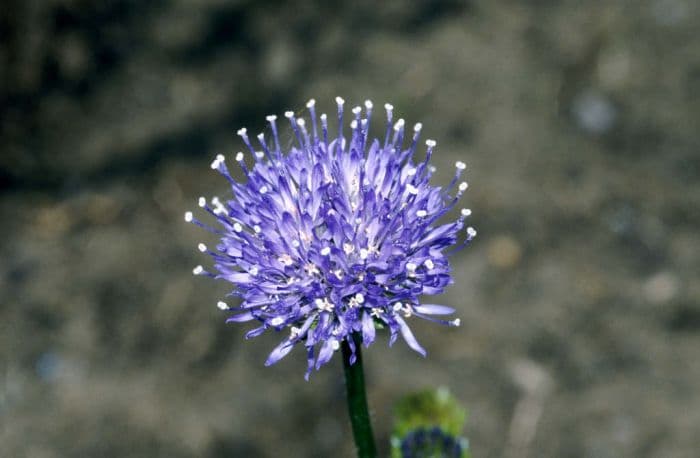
{"points": [[334, 236]]}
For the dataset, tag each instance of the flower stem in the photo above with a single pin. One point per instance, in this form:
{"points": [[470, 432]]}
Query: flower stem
{"points": [[357, 401]]}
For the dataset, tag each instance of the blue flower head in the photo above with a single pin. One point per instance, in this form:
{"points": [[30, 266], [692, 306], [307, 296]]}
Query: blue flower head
{"points": [[334, 236]]}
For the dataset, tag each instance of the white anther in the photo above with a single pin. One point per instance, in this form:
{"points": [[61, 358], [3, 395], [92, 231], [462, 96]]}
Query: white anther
{"points": [[368, 104], [325, 251], [376, 312], [237, 227], [242, 131], [471, 231], [253, 271], [202, 247], [411, 266], [239, 156], [364, 253], [432, 169], [188, 216], [286, 260], [466, 212], [259, 154], [397, 307], [335, 345], [294, 332], [202, 202], [198, 270], [417, 127], [430, 143], [263, 189], [276, 321], [360, 298], [353, 124], [463, 186], [271, 118], [411, 172], [357, 110], [399, 124], [288, 114], [261, 136], [348, 248], [411, 189], [323, 304], [339, 101], [456, 322], [222, 305], [421, 213], [301, 122], [338, 274], [257, 229], [215, 164], [429, 263], [324, 117], [460, 165], [295, 243], [388, 107], [310, 103]]}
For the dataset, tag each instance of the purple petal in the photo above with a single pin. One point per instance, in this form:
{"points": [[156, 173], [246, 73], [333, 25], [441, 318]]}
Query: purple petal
{"points": [[325, 354], [279, 352], [434, 309], [368, 331], [408, 336], [247, 316]]}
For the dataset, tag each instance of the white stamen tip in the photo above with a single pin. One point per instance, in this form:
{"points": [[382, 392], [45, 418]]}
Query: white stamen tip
{"points": [[471, 231], [188, 216], [411, 189], [257, 229], [399, 124], [356, 110], [466, 212], [335, 345], [271, 118], [324, 117], [410, 172], [242, 131], [202, 202], [198, 270], [429, 263], [364, 253], [339, 100], [421, 213], [263, 189], [368, 104], [259, 154], [310, 103], [431, 143], [276, 321], [460, 165], [215, 164], [253, 270], [295, 243], [463, 186], [237, 227], [456, 322], [417, 127], [301, 122], [202, 247], [388, 107], [325, 251], [353, 124], [288, 114], [239, 157], [261, 136], [222, 305], [411, 266], [397, 307], [360, 298]]}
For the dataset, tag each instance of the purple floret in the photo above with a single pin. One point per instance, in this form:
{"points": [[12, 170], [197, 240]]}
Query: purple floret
{"points": [[334, 236]]}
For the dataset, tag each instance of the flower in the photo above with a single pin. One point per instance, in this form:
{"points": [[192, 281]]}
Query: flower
{"points": [[334, 236]]}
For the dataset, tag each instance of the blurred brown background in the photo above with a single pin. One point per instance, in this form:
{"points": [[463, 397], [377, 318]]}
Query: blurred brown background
{"points": [[580, 298]]}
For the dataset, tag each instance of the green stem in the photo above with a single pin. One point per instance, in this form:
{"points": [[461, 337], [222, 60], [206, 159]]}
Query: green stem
{"points": [[357, 401]]}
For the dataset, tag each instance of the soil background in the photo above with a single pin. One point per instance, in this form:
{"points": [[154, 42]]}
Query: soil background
{"points": [[579, 299]]}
